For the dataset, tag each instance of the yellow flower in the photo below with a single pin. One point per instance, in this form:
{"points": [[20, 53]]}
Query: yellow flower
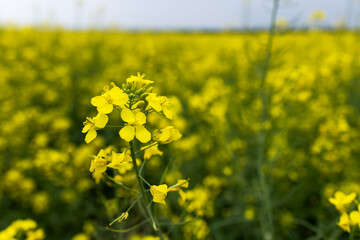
{"points": [[97, 176], [355, 217], [317, 15], [154, 102], [159, 103], [80, 236], [340, 201], [93, 124], [149, 152], [134, 126], [177, 187], [123, 216], [159, 193], [98, 164], [344, 222], [138, 81], [35, 235], [165, 103], [105, 102], [118, 160], [167, 135]]}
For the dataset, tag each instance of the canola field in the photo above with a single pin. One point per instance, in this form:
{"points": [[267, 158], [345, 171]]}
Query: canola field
{"points": [[257, 148]]}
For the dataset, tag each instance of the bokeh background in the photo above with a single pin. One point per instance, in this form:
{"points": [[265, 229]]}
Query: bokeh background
{"points": [[267, 138]]}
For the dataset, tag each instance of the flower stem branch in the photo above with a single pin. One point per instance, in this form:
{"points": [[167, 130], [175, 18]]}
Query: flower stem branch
{"points": [[120, 183], [144, 198]]}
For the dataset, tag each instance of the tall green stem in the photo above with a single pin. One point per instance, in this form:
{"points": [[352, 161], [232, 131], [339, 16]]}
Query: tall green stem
{"points": [[266, 221]]}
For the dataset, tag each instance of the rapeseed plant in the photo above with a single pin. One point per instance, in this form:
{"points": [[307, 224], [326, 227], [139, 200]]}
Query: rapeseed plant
{"points": [[134, 101]]}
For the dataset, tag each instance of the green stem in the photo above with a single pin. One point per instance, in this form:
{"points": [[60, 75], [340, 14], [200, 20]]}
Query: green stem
{"points": [[129, 208], [267, 220], [352, 233], [128, 229], [166, 170], [144, 198], [119, 183]]}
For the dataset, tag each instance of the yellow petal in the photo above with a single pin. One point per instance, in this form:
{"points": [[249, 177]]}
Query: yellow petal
{"points": [[127, 133], [183, 183], [91, 135], [167, 113], [118, 96], [127, 115], [98, 101], [154, 102], [127, 159], [163, 188], [354, 217], [105, 108], [140, 118], [101, 120], [142, 134], [85, 128], [159, 199], [182, 194]]}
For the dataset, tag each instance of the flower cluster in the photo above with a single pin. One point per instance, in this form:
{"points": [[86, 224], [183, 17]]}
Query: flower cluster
{"points": [[343, 203], [22, 229], [134, 101]]}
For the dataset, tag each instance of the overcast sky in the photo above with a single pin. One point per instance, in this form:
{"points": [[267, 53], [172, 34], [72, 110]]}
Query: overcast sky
{"points": [[173, 14]]}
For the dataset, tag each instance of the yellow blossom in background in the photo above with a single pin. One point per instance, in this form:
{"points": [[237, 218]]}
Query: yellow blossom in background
{"points": [[81, 236], [344, 222], [317, 15], [93, 124], [138, 81], [282, 23], [341, 200], [27, 227], [142, 237], [134, 126], [149, 152], [105, 102], [167, 135], [355, 218], [249, 213], [35, 235]]}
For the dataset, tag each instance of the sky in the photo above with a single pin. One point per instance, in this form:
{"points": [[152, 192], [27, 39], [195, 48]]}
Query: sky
{"points": [[174, 14]]}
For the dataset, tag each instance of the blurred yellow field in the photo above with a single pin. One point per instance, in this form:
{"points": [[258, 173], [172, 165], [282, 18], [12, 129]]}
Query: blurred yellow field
{"points": [[260, 152]]}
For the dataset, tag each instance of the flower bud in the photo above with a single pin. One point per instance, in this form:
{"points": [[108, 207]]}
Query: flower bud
{"points": [[144, 95]]}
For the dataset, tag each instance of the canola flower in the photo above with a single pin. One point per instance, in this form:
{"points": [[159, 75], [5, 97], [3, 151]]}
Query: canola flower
{"points": [[160, 192], [93, 124], [22, 229], [134, 101], [134, 126], [349, 222], [110, 98], [341, 200]]}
